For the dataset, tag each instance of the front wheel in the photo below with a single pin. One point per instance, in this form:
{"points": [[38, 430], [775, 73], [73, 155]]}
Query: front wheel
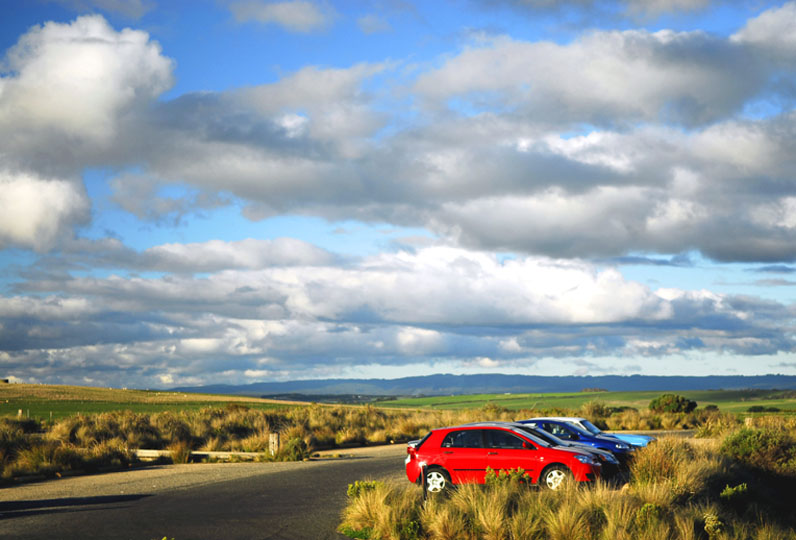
{"points": [[554, 477], [437, 480]]}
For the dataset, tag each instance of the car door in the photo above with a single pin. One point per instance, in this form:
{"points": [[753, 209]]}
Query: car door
{"points": [[463, 455], [507, 451]]}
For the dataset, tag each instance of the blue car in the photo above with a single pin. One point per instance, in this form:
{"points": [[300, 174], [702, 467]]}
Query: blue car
{"points": [[632, 439], [569, 432]]}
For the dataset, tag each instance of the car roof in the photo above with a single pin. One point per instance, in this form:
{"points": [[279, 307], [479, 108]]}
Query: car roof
{"points": [[559, 418], [513, 426]]}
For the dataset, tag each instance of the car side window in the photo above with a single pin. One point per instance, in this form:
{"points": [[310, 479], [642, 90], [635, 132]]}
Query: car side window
{"points": [[555, 429], [469, 438], [497, 438]]}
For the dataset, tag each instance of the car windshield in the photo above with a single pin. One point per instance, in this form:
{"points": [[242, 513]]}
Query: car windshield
{"points": [[545, 436], [577, 429], [591, 427], [536, 437]]}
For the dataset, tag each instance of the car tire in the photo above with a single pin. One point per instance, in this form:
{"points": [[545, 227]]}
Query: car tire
{"points": [[437, 480], [554, 477]]}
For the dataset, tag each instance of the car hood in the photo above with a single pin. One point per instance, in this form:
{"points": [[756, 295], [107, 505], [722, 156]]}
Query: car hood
{"points": [[632, 438]]}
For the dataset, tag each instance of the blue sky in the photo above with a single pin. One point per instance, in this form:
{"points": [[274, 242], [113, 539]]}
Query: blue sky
{"points": [[252, 190]]}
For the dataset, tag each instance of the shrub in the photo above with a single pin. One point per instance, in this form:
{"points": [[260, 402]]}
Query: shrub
{"points": [[761, 409], [360, 486], [672, 403], [180, 451], [648, 516], [513, 476], [294, 449], [768, 448]]}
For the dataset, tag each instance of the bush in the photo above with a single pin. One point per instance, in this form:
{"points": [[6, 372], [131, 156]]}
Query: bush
{"points": [[768, 448], [294, 449], [513, 476], [361, 486], [672, 403], [761, 409]]}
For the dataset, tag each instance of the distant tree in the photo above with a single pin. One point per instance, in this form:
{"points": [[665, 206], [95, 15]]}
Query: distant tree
{"points": [[672, 403]]}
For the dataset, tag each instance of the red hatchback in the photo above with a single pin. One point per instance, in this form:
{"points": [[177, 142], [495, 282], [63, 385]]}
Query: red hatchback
{"points": [[461, 454]]}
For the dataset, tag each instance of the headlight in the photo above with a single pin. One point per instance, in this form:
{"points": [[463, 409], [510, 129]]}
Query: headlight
{"points": [[622, 446], [585, 459], [611, 459]]}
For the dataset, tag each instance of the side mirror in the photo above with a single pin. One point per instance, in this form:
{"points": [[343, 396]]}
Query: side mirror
{"points": [[528, 446]]}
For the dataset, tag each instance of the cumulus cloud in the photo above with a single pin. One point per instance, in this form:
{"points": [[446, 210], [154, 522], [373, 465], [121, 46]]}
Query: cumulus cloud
{"points": [[64, 93], [440, 303], [36, 212], [295, 16], [773, 31], [603, 77], [614, 143], [216, 255], [80, 78]]}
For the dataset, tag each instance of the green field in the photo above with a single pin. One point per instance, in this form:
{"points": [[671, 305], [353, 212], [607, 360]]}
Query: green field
{"points": [[53, 401], [735, 401]]}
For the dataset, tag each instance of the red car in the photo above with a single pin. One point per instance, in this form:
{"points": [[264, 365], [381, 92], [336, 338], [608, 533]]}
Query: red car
{"points": [[461, 454]]}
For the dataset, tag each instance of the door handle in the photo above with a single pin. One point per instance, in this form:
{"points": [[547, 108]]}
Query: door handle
{"points": [[491, 453], [448, 452]]}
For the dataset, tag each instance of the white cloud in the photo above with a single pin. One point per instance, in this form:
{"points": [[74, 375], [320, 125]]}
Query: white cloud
{"points": [[296, 15], [602, 77], [65, 91], [36, 212], [774, 31], [80, 78], [436, 305], [250, 253]]}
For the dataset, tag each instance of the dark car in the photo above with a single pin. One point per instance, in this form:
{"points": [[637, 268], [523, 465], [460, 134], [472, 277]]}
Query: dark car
{"points": [[462, 454], [610, 465], [568, 432]]}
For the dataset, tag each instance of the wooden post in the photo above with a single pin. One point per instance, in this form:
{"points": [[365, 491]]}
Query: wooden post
{"points": [[19, 413], [424, 483], [273, 443]]}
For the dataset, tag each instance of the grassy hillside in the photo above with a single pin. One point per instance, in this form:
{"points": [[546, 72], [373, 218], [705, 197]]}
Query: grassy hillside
{"points": [[735, 401], [42, 401]]}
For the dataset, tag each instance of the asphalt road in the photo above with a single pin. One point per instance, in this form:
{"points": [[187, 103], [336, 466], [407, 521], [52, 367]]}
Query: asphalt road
{"points": [[251, 501]]}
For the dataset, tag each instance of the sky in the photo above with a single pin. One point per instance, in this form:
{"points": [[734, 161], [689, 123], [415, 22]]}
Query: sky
{"points": [[234, 191]]}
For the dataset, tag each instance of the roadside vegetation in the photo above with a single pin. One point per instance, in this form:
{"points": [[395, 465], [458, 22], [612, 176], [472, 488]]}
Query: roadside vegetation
{"points": [[735, 486], [108, 439]]}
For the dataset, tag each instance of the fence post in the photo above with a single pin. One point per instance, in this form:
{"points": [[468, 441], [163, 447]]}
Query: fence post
{"points": [[423, 483], [273, 443], [19, 413]]}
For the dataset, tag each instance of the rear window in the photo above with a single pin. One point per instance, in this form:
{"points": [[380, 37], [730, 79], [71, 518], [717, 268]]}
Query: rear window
{"points": [[421, 441], [467, 438]]}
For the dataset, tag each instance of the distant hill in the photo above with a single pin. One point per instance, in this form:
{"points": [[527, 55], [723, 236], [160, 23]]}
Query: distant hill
{"points": [[445, 384]]}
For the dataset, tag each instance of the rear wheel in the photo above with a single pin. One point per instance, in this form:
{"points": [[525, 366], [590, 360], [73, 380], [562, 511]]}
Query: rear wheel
{"points": [[437, 480], [554, 477]]}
